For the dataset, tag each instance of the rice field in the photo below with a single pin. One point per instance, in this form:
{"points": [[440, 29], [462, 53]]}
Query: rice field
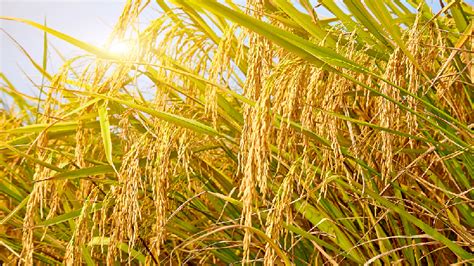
{"points": [[248, 132]]}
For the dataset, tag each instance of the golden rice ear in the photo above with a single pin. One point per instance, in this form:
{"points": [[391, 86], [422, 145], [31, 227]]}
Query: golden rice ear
{"points": [[389, 114], [126, 215], [43, 193], [219, 72], [82, 233], [290, 82], [281, 213], [254, 157], [128, 18], [158, 171]]}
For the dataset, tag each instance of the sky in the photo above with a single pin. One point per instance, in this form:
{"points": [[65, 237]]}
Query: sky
{"points": [[87, 20], [90, 21]]}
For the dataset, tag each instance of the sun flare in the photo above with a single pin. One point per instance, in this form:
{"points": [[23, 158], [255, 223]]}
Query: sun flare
{"points": [[121, 48]]}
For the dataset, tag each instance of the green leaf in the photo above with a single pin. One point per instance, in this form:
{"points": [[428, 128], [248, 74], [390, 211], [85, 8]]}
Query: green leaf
{"points": [[53, 127], [105, 131], [14, 211], [68, 216], [320, 56], [305, 21], [85, 172], [99, 241], [409, 217], [87, 256], [325, 224], [168, 117], [102, 53]]}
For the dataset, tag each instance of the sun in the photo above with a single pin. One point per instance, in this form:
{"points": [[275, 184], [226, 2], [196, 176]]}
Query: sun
{"points": [[120, 48]]}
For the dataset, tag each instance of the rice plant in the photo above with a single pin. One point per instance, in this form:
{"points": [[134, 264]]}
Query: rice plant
{"points": [[248, 134]]}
